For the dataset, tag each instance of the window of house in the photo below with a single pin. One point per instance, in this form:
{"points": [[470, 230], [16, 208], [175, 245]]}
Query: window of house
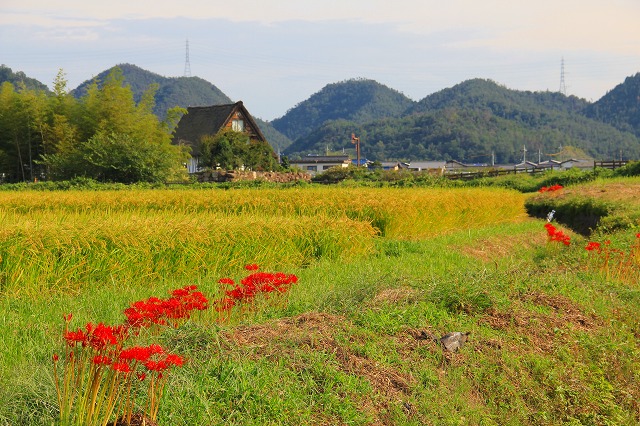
{"points": [[237, 125], [312, 168]]}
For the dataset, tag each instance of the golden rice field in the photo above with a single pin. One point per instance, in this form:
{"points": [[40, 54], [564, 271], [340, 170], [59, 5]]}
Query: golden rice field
{"points": [[64, 240]]}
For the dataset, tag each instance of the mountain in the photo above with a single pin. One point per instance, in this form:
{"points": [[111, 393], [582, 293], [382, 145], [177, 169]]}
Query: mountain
{"points": [[501, 101], [357, 100], [179, 91], [18, 78], [172, 91], [620, 107], [475, 121]]}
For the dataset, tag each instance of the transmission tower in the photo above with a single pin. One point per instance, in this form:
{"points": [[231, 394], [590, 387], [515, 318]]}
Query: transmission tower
{"points": [[187, 64], [563, 86]]}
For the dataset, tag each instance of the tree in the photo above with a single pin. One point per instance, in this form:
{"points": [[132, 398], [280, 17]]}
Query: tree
{"points": [[232, 150]]}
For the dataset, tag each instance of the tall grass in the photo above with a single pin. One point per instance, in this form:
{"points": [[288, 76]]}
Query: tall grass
{"points": [[551, 341]]}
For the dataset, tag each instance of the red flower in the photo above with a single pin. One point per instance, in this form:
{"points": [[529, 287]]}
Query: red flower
{"points": [[227, 281], [550, 188], [67, 317], [141, 376], [251, 267], [176, 360], [101, 360], [55, 357], [138, 353], [121, 367], [593, 246], [156, 365], [75, 337]]}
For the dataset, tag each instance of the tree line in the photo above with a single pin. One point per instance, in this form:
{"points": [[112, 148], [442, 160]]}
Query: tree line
{"points": [[104, 135]]}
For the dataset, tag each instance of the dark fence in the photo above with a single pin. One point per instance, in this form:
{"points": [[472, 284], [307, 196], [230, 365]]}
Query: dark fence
{"points": [[455, 175], [613, 164]]}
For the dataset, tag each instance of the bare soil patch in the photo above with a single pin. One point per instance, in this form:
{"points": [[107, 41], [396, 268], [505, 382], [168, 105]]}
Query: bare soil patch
{"points": [[543, 330], [494, 248], [317, 331]]}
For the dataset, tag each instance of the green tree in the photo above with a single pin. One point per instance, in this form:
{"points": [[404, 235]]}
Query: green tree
{"points": [[109, 137], [232, 150]]}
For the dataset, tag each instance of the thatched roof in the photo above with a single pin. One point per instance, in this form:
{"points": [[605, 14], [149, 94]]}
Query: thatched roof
{"points": [[209, 120]]}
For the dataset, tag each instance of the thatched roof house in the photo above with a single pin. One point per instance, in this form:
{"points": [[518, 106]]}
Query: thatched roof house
{"points": [[209, 120]]}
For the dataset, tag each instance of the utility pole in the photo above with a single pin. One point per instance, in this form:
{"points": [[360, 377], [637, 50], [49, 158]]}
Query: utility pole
{"points": [[563, 86], [187, 64], [356, 142], [524, 154]]}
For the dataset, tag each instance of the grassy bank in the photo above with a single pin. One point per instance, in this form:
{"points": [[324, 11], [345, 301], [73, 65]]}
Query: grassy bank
{"points": [[553, 336]]}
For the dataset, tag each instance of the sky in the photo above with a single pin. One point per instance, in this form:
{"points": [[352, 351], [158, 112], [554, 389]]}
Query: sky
{"points": [[274, 54]]}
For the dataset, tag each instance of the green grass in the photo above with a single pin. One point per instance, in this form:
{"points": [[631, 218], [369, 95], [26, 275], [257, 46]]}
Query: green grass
{"points": [[552, 341]]}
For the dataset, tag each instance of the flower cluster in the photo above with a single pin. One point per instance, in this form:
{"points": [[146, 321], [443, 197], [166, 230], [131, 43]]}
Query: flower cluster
{"points": [[556, 235], [145, 313], [98, 378], [615, 262], [551, 188], [253, 285], [103, 377]]}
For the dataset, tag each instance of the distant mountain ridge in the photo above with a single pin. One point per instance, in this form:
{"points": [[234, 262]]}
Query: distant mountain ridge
{"points": [[475, 121], [472, 121]]}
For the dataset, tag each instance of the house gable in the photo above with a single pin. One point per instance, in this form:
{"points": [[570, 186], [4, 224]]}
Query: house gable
{"points": [[209, 120]]}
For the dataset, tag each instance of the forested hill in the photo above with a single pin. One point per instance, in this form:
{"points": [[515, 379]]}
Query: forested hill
{"points": [[480, 94], [473, 120], [172, 91], [620, 107], [357, 100], [18, 78]]}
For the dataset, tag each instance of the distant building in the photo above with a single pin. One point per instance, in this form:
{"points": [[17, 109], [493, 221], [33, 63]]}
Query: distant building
{"points": [[314, 164]]}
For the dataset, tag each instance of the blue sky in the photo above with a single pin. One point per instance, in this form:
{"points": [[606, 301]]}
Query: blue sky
{"points": [[273, 54]]}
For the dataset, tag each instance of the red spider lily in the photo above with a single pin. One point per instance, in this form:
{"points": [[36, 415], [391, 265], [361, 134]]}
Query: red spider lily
{"points": [[101, 360], [252, 267], [554, 234], [75, 337], [594, 246], [137, 353], [141, 376], [121, 367], [101, 335], [551, 188], [176, 360], [156, 365], [55, 357], [67, 317], [156, 311], [226, 281]]}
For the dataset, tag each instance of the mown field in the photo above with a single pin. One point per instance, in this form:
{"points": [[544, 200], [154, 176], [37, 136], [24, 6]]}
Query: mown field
{"points": [[553, 327]]}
